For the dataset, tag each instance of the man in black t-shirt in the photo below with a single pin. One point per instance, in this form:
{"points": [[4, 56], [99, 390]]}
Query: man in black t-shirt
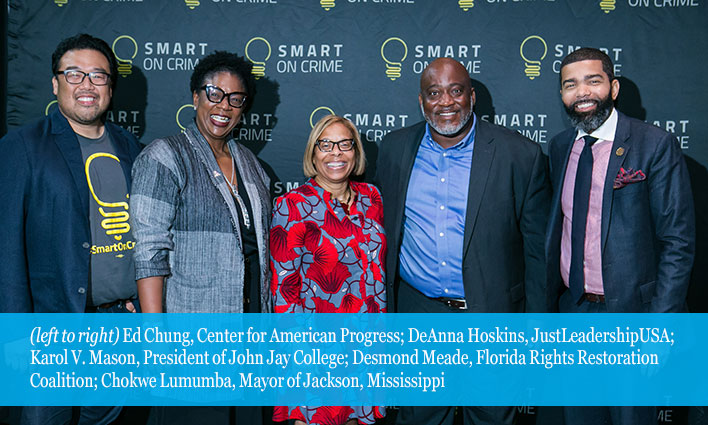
{"points": [[64, 181]]}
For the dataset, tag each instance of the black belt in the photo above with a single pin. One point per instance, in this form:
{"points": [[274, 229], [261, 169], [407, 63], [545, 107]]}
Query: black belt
{"points": [[104, 306], [109, 305], [594, 298], [456, 303]]}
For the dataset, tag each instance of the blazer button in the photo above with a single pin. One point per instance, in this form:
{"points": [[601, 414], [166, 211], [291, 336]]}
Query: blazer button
{"points": [[82, 290], [86, 245]]}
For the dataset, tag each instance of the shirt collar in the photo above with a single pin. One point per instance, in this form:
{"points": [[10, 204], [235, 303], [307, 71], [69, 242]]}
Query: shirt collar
{"points": [[606, 131], [462, 144], [322, 192]]}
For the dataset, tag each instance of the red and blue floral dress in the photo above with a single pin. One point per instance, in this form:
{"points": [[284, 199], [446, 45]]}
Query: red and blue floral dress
{"points": [[327, 257]]}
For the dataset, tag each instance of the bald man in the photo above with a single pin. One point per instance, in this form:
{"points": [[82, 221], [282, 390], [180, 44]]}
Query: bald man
{"points": [[469, 234]]}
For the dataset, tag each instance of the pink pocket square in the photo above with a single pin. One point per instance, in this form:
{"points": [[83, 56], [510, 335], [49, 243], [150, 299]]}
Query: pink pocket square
{"points": [[625, 177]]}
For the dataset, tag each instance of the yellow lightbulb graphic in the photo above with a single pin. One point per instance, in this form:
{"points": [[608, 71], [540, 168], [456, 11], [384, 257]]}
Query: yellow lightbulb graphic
{"points": [[191, 3], [46, 110], [319, 108], [181, 108], [116, 222], [258, 66], [466, 4], [125, 66], [533, 67], [393, 68], [61, 3], [607, 5], [327, 4]]}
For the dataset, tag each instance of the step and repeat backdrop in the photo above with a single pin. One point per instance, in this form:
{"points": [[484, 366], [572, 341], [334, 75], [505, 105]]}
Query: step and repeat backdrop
{"points": [[363, 59]]}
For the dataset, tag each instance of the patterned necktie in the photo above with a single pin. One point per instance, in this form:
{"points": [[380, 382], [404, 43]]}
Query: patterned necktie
{"points": [[581, 199]]}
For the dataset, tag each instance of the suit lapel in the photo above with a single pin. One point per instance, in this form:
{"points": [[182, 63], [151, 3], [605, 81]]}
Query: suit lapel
{"points": [[408, 154], [68, 145], [570, 140], [559, 176], [482, 158], [621, 142]]}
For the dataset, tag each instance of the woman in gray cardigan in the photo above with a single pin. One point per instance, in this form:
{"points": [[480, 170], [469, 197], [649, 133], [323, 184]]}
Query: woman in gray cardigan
{"points": [[200, 205]]}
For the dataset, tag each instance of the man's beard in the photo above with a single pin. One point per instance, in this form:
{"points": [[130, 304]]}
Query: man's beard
{"points": [[447, 129], [590, 121]]}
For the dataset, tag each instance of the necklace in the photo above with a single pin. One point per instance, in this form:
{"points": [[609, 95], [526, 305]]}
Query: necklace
{"points": [[233, 185], [349, 197]]}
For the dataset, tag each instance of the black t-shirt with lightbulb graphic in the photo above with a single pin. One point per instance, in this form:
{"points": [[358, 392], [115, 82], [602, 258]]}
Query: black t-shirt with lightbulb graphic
{"points": [[112, 268]]}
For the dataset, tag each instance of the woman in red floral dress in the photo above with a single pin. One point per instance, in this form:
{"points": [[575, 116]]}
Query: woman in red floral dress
{"points": [[328, 248]]}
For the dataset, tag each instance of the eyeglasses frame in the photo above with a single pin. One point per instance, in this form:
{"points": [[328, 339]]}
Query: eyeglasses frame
{"points": [[85, 74], [225, 95], [353, 141]]}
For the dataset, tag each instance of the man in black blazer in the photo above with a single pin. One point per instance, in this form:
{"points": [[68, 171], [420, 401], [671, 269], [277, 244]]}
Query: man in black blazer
{"points": [[64, 181], [621, 231], [465, 209]]}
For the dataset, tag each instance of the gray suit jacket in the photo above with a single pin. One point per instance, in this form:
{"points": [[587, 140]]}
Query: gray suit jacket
{"points": [[507, 208], [186, 227]]}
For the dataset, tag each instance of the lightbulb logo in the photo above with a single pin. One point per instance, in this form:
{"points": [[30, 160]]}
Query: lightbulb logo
{"points": [[607, 6], [315, 112], [61, 3], [177, 115], [533, 66], [327, 4], [49, 105], [393, 68], [130, 46], [115, 222], [191, 4], [466, 4], [258, 65]]}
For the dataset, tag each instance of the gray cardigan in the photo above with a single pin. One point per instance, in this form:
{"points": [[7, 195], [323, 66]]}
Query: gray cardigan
{"points": [[185, 223]]}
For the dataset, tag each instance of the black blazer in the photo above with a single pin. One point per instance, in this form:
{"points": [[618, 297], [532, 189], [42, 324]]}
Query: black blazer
{"points": [[507, 208], [648, 227], [45, 236]]}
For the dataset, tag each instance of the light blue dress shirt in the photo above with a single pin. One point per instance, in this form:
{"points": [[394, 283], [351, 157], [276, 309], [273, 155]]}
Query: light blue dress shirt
{"points": [[434, 225]]}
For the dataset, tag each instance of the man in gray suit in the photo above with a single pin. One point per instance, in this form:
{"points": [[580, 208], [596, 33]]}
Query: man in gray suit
{"points": [[465, 207]]}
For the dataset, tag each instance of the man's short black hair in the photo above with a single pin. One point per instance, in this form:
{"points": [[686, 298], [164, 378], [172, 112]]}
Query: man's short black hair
{"points": [[81, 42], [222, 61], [589, 53]]}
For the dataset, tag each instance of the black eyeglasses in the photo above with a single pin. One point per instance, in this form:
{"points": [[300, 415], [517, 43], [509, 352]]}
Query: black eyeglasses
{"points": [[97, 78], [344, 145], [216, 95]]}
